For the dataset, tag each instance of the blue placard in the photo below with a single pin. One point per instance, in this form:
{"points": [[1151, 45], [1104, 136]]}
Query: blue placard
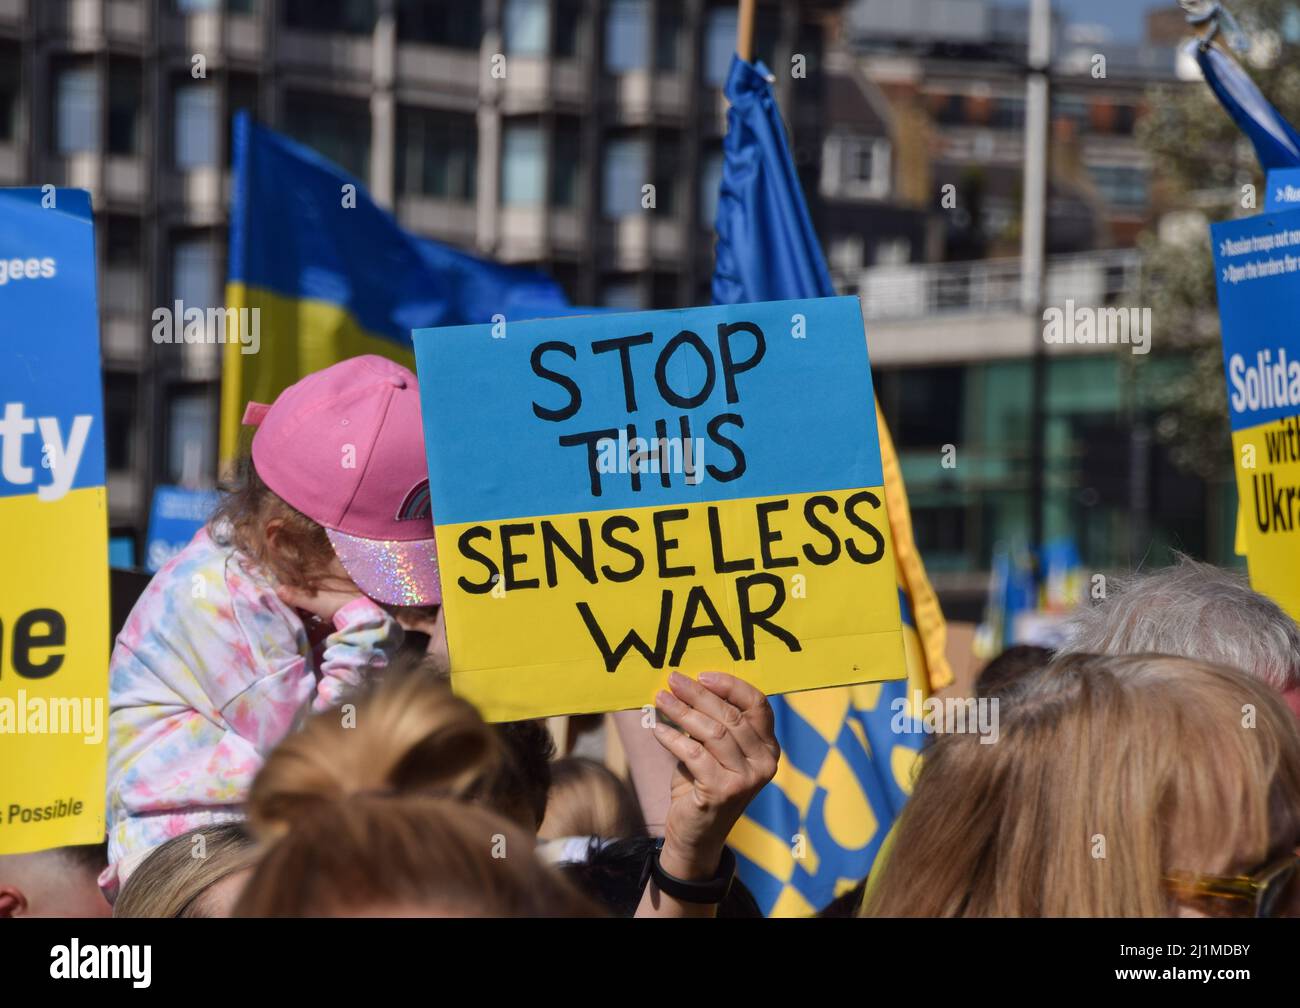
{"points": [[176, 514], [781, 389], [1257, 272], [47, 388], [1282, 190]]}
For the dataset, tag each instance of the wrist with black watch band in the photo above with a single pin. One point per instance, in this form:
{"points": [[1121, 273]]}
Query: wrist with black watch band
{"points": [[709, 891]]}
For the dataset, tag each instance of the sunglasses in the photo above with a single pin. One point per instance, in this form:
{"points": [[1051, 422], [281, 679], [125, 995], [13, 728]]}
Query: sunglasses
{"points": [[1266, 890]]}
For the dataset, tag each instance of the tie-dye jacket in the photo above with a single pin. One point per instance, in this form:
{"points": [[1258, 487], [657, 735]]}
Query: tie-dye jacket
{"points": [[209, 673]]}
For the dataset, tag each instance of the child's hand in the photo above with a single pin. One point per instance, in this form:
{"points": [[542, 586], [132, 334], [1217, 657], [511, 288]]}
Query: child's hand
{"points": [[325, 601], [730, 755]]}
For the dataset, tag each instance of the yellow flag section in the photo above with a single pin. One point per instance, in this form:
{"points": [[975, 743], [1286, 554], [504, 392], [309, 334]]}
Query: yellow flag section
{"points": [[618, 496], [302, 335], [1268, 491], [53, 527]]}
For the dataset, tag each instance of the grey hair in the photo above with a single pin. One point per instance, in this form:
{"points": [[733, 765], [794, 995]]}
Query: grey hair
{"points": [[1197, 611]]}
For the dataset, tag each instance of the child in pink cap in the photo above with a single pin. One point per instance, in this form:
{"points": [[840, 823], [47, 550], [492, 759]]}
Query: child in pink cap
{"points": [[273, 610]]}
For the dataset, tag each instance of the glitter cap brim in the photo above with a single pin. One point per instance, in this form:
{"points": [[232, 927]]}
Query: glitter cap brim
{"points": [[389, 571]]}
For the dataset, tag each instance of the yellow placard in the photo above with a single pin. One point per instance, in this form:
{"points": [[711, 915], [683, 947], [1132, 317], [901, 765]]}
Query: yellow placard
{"points": [[1268, 508], [53, 671]]}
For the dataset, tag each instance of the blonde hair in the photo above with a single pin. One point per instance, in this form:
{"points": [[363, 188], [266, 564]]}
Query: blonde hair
{"points": [[368, 811], [172, 880], [587, 799], [1109, 773], [301, 555]]}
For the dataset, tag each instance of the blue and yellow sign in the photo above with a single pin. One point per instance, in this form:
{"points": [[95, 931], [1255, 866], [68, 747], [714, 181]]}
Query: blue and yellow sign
{"points": [[53, 526], [1257, 270], [617, 496]]}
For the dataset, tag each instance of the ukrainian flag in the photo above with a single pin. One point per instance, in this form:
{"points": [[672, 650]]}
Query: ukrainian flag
{"points": [[848, 754], [332, 275]]}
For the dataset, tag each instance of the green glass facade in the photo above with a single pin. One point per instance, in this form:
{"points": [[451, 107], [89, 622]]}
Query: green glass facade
{"points": [[1108, 482]]}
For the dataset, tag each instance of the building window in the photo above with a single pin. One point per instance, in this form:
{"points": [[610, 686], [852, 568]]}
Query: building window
{"points": [[1008, 113], [1121, 185], [119, 420], [663, 291], [339, 128], [76, 110], [191, 456], [523, 168], [125, 97], [457, 24], [10, 90], [122, 291], [195, 125], [525, 27], [567, 164], [710, 185], [437, 153], [624, 171], [856, 167], [667, 153], [202, 6], [568, 25], [241, 96], [194, 273], [720, 41], [668, 35], [353, 17], [719, 44], [627, 33], [623, 294]]}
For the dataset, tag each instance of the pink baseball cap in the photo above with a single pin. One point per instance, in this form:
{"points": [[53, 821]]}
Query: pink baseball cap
{"points": [[345, 446]]}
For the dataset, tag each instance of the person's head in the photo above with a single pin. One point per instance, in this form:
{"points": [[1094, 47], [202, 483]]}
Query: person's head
{"points": [[60, 882], [382, 811], [613, 873], [1008, 669], [1112, 777], [1197, 611], [521, 790], [336, 486], [587, 799], [196, 874]]}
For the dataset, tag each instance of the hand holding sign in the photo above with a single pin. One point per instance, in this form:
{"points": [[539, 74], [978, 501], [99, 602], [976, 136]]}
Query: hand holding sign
{"points": [[620, 495], [728, 755]]}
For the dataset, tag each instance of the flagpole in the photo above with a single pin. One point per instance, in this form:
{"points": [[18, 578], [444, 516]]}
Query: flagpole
{"points": [[745, 31]]}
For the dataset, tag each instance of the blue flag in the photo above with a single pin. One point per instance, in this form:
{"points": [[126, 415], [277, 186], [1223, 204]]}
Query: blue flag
{"points": [[848, 753], [331, 274], [1277, 145]]}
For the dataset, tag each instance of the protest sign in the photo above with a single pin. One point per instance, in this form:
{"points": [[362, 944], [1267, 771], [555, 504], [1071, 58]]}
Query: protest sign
{"points": [[53, 526], [1257, 270], [1282, 190], [177, 513], [618, 496]]}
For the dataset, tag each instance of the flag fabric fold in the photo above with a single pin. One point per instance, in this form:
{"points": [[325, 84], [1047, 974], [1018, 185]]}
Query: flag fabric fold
{"points": [[1277, 145], [334, 275], [848, 754]]}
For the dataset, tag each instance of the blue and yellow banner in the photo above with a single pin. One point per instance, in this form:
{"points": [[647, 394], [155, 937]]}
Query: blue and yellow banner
{"points": [[1257, 271], [319, 272], [617, 496], [53, 526]]}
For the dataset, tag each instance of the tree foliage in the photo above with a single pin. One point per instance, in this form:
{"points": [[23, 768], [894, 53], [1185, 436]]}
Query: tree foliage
{"points": [[1201, 168]]}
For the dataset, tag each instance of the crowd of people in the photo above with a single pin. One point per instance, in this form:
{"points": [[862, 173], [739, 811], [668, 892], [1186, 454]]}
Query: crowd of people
{"points": [[284, 742]]}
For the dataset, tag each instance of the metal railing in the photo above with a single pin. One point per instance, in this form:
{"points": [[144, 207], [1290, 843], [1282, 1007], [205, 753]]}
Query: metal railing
{"points": [[987, 286]]}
